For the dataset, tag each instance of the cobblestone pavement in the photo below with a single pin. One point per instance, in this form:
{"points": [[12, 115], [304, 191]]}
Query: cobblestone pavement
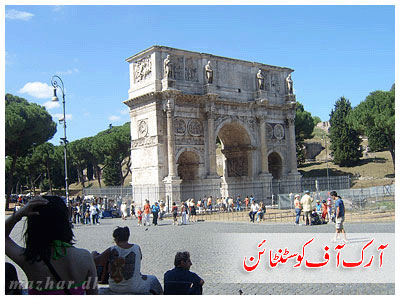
{"points": [[160, 243]]}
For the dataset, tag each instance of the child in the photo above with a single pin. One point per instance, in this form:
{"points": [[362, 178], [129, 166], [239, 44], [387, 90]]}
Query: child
{"points": [[324, 210], [139, 217]]}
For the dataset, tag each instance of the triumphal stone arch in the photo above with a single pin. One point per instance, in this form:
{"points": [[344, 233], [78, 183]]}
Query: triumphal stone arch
{"points": [[186, 108]]}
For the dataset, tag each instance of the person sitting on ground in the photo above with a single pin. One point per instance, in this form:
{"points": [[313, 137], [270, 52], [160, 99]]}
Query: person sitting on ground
{"points": [[50, 261], [125, 262], [315, 220], [180, 281]]}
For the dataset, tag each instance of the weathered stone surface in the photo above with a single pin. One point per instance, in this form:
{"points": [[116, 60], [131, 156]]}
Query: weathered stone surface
{"points": [[181, 101]]}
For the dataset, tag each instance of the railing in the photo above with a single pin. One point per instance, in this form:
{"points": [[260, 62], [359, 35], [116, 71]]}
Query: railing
{"points": [[260, 191]]}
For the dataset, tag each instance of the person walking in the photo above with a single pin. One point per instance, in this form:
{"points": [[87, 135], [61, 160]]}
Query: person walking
{"points": [[162, 209], [340, 211], [246, 202], [238, 203], [133, 213], [155, 209], [306, 202], [146, 213], [174, 213], [183, 213], [124, 210], [192, 208], [297, 208]]}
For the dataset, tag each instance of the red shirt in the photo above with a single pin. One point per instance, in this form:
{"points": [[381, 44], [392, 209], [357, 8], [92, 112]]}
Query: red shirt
{"points": [[146, 208]]}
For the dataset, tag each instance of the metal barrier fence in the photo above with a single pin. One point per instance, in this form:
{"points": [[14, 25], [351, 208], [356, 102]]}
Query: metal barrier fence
{"points": [[268, 193], [363, 198]]}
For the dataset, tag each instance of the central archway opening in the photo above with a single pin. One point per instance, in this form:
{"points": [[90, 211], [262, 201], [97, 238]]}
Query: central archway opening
{"points": [[235, 147]]}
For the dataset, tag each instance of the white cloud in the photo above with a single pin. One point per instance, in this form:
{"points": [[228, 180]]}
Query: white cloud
{"points": [[14, 14], [50, 104], [59, 116], [114, 118], [68, 72], [37, 89]]}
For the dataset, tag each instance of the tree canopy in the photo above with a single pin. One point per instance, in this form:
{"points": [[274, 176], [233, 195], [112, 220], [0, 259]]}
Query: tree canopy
{"points": [[26, 124], [375, 117], [345, 141], [304, 127]]}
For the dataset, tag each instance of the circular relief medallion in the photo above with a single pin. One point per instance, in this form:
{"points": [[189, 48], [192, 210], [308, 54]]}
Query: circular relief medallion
{"points": [[143, 128], [180, 126], [279, 131], [195, 128], [269, 132]]}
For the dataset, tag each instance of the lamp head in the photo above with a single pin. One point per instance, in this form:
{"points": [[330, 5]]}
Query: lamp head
{"points": [[54, 98]]}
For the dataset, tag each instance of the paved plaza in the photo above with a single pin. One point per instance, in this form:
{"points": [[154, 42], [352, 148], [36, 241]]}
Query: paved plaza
{"points": [[160, 243]]}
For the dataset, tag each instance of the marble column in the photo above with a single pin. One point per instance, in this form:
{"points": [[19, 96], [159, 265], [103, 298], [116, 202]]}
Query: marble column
{"points": [[264, 158], [211, 145], [170, 139], [292, 146]]}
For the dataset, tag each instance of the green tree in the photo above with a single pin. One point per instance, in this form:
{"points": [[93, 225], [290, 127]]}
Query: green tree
{"points": [[345, 141], [114, 144], [375, 117], [304, 127], [25, 124], [316, 120], [45, 156]]}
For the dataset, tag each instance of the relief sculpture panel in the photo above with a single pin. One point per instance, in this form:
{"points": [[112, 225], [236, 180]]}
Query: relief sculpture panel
{"points": [[237, 166], [195, 127], [191, 69], [180, 126], [142, 128], [279, 131], [177, 67], [142, 69]]}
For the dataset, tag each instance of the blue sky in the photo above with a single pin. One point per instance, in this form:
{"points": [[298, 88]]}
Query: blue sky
{"points": [[335, 51]]}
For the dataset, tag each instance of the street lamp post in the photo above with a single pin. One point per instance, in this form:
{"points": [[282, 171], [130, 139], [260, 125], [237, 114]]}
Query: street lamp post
{"points": [[64, 141], [326, 159]]}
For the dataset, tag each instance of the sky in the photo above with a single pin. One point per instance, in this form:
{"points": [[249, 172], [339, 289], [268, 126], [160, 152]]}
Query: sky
{"points": [[335, 51]]}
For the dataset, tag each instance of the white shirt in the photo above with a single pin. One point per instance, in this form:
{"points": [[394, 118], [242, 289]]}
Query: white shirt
{"points": [[254, 207]]}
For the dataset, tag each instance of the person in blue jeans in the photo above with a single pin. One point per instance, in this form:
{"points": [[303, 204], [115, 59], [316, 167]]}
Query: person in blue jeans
{"points": [[180, 281], [238, 203], [297, 208]]}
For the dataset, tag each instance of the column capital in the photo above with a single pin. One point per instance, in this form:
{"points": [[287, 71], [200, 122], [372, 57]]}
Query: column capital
{"points": [[169, 105]]}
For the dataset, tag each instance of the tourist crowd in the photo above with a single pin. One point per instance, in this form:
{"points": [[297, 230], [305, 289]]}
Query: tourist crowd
{"points": [[54, 266]]}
